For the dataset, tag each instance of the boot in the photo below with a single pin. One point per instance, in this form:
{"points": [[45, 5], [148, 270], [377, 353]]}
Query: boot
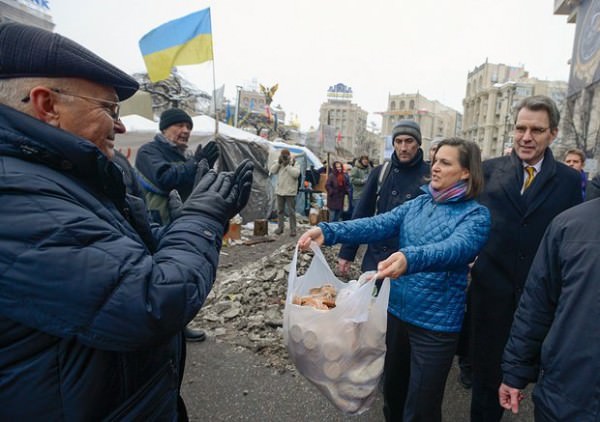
{"points": [[193, 335]]}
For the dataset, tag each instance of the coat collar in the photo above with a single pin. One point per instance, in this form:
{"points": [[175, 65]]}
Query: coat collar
{"points": [[30, 139], [542, 185]]}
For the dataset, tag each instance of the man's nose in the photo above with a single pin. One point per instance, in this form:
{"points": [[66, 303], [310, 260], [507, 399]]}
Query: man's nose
{"points": [[120, 126]]}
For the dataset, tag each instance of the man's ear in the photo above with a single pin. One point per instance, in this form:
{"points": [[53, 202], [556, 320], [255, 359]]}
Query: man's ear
{"points": [[43, 103]]}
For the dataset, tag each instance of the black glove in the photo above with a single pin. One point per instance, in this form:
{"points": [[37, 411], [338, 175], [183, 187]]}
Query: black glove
{"points": [[215, 196], [210, 152], [174, 205], [201, 169], [243, 176]]}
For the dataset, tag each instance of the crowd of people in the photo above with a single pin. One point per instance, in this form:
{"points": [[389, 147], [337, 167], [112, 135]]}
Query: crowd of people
{"points": [[104, 265]]}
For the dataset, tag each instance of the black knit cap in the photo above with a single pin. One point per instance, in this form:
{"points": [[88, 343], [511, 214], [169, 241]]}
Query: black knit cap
{"points": [[174, 115], [407, 127], [27, 51]]}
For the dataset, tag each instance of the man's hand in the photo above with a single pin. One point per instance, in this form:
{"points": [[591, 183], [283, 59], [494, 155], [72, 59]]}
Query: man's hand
{"points": [[343, 267], [243, 177], [174, 205], [210, 151], [215, 196], [510, 397], [201, 169], [313, 235], [393, 267]]}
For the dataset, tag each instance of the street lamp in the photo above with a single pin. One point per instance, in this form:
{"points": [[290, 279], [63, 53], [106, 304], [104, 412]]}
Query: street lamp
{"points": [[237, 106]]}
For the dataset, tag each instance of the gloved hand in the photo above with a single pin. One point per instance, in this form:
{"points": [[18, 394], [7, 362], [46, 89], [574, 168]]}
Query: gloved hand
{"points": [[174, 205], [201, 169], [210, 152], [243, 178], [215, 196]]}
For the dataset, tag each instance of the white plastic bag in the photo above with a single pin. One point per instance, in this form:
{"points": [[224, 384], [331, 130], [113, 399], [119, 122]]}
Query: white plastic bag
{"points": [[340, 350]]}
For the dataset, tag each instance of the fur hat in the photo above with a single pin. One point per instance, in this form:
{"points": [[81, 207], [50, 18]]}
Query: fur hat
{"points": [[174, 115], [407, 127], [28, 51]]}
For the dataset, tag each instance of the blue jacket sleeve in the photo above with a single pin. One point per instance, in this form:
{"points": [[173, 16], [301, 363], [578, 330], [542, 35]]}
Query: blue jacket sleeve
{"points": [[364, 230], [364, 208], [456, 251]]}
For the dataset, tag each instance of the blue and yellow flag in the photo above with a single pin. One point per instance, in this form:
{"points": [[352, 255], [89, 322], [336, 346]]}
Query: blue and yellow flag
{"points": [[187, 40]]}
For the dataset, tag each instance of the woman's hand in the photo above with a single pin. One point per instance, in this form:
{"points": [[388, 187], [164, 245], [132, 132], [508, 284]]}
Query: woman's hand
{"points": [[313, 235], [392, 267]]}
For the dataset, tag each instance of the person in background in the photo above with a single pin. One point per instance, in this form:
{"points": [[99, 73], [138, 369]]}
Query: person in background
{"points": [[593, 188], [388, 186], [163, 164], [524, 192], [553, 341], [433, 146], [91, 314], [337, 188], [575, 158], [287, 189], [437, 235], [358, 178]]}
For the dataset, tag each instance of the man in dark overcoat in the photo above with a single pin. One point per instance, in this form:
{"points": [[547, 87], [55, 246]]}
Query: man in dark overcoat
{"points": [[524, 192]]}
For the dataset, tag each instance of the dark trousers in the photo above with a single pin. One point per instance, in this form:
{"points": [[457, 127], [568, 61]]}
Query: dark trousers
{"points": [[335, 215], [485, 406], [417, 363]]}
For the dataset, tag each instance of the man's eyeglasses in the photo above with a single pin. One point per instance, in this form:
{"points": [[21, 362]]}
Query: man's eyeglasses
{"points": [[535, 131], [112, 108]]}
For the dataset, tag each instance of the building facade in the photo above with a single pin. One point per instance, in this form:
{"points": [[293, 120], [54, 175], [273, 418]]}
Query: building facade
{"points": [[493, 90], [436, 119], [29, 12], [348, 120]]}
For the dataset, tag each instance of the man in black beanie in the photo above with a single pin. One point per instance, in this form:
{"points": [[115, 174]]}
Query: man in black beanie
{"points": [[93, 299], [164, 164]]}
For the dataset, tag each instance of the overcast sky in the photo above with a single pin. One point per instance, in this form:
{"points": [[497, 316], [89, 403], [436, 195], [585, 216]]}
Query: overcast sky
{"points": [[376, 47]]}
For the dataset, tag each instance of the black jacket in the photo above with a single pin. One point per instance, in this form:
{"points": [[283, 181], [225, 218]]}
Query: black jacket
{"points": [[518, 223], [554, 339], [403, 183]]}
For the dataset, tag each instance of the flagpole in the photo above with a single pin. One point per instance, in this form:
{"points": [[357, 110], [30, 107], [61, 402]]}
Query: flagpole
{"points": [[215, 100], [214, 82]]}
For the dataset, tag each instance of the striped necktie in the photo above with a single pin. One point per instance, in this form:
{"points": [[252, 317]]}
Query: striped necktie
{"points": [[530, 175]]}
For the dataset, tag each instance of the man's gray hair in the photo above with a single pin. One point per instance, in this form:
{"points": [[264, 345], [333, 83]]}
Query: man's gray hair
{"points": [[540, 102]]}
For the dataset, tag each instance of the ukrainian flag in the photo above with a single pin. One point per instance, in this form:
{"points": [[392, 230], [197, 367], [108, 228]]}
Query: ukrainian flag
{"points": [[186, 40]]}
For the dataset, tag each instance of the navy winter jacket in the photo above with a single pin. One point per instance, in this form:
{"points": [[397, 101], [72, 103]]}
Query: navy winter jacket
{"points": [[165, 167], [439, 240], [554, 340], [89, 317], [402, 184]]}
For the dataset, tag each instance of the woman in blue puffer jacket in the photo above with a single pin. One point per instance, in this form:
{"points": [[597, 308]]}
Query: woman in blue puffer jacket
{"points": [[440, 233]]}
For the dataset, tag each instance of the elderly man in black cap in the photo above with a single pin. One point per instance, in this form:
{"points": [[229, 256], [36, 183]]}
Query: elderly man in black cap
{"points": [[389, 185], [91, 309]]}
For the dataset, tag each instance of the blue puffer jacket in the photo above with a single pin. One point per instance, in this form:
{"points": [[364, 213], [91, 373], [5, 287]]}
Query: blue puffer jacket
{"points": [[89, 317], [439, 241]]}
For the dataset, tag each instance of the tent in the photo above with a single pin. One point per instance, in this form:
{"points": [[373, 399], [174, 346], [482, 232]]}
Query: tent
{"points": [[235, 145]]}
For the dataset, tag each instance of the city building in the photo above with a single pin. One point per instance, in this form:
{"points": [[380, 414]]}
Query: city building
{"points": [[436, 119], [581, 118], [348, 120], [30, 12], [492, 92]]}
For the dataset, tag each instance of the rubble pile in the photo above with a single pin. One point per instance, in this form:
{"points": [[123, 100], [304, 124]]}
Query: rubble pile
{"points": [[245, 306]]}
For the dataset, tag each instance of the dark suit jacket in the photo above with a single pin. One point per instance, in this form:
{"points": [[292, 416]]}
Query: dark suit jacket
{"points": [[518, 224]]}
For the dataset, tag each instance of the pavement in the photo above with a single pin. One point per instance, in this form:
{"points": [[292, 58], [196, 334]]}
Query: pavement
{"points": [[223, 382]]}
